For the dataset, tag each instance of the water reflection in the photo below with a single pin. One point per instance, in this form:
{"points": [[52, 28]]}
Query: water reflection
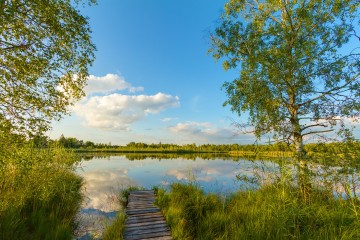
{"points": [[105, 176]]}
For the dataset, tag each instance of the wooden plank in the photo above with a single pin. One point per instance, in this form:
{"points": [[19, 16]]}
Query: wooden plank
{"points": [[146, 236], [146, 226], [158, 238], [142, 197], [143, 191], [142, 204], [142, 218], [145, 220], [138, 231], [144, 210], [145, 215], [132, 225], [137, 207]]}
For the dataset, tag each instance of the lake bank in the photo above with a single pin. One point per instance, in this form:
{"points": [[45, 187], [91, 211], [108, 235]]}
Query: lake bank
{"points": [[40, 193], [272, 212]]}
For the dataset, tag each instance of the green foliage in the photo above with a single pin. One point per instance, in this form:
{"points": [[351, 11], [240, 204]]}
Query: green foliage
{"points": [[39, 192], [45, 51], [115, 230], [295, 73], [271, 212]]}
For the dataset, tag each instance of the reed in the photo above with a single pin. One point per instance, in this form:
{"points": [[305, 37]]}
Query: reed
{"points": [[273, 211], [116, 229], [39, 193]]}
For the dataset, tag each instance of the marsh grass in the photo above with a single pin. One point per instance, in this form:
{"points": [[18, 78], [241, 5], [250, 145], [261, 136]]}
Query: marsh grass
{"points": [[116, 229], [271, 212], [271, 207], [39, 192]]}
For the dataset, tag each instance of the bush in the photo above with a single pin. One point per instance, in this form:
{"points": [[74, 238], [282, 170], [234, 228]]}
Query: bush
{"points": [[39, 192], [271, 212]]}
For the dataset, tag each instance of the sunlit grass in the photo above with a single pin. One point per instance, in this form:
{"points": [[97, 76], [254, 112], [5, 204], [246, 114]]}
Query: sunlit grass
{"points": [[271, 212], [39, 193], [116, 229]]}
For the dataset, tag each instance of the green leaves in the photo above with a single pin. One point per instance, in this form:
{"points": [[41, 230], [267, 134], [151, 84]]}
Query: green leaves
{"points": [[292, 61], [45, 51]]}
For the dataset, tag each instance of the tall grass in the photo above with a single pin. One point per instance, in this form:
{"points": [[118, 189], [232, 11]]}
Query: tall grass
{"points": [[272, 212], [39, 192], [116, 229]]}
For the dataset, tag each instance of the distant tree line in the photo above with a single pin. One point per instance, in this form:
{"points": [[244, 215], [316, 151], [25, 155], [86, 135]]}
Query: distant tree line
{"points": [[74, 143]]}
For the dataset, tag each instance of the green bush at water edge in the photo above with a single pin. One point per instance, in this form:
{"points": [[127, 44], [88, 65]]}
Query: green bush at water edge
{"points": [[39, 192], [271, 212]]}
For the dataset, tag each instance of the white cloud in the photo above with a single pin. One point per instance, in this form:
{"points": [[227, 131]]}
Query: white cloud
{"points": [[101, 185], [118, 111], [203, 131], [167, 119], [109, 83]]}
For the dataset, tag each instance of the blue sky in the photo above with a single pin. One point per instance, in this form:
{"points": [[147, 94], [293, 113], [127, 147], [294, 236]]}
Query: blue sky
{"points": [[152, 80], [152, 66]]}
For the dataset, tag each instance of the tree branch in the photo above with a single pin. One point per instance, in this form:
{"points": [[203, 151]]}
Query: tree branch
{"points": [[314, 132], [330, 91]]}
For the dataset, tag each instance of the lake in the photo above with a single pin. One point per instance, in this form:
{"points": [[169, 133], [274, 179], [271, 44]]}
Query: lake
{"points": [[105, 176]]}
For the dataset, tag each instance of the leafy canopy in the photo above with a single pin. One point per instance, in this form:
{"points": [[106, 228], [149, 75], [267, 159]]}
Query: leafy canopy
{"points": [[297, 71], [45, 51]]}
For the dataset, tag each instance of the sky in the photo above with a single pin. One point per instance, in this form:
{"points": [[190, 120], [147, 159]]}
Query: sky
{"points": [[152, 80]]}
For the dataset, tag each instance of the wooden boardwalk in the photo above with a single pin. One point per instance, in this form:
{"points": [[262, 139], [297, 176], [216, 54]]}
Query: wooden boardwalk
{"points": [[144, 219]]}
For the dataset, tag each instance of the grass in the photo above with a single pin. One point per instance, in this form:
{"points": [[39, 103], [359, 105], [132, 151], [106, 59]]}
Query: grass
{"points": [[116, 229], [39, 192], [271, 212], [275, 210]]}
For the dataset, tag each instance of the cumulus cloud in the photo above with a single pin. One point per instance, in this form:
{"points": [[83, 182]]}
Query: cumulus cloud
{"points": [[167, 119], [108, 83], [203, 131], [101, 185], [118, 111]]}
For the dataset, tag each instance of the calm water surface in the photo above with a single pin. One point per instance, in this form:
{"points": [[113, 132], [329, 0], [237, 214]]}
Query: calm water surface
{"points": [[105, 176]]}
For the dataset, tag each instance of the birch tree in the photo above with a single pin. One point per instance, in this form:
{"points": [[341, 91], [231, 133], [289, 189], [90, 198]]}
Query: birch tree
{"points": [[45, 52], [298, 72]]}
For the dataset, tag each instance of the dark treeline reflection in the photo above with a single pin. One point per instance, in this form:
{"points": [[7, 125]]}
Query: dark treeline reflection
{"points": [[170, 156], [159, 156]]}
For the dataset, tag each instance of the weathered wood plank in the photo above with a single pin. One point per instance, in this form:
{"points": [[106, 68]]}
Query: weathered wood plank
{"points": [[147, 215], [141, 211], [138, 231], [146, 236], [143, 191], [135, 218], [158, 238], [140, 220], [140, 206], [146, 226], [145, 220], [130, 225]]}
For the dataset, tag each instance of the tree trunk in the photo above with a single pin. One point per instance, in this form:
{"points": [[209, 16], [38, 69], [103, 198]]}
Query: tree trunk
{"points": [[303, 172]]}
